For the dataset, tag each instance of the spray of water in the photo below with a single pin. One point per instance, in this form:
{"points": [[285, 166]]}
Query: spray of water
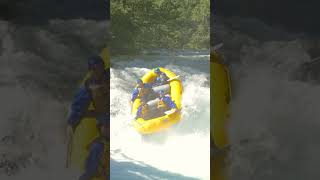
{"points": [[36, 86], [276, 114], [185, 151]]}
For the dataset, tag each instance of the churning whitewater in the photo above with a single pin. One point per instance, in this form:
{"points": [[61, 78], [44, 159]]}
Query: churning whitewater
{"points": [[181, 153], [274, 111], [41, 67]]}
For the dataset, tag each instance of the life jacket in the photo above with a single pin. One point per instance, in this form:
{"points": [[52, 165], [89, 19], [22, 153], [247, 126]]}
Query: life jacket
{"points": [[99, 92], [162, 104], [161, 79], [144, 110], [144, 113], [142, 92]]}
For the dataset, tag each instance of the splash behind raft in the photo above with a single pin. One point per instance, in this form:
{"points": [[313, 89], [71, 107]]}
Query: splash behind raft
{"points": [[165, 121], [85, 133]]}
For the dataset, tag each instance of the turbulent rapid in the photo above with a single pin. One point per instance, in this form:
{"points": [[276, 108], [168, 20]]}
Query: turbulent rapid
{"points": [[40, 69], [183, 152], [276, 113]]}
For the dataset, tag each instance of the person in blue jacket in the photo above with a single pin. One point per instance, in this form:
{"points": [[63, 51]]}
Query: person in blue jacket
{"points": [[143, 91], [95, 165], [95, 90], [165, 103], [161, 78], [143, 111]]}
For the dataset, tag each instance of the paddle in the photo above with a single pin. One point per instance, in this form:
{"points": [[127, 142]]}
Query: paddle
{"points": [[131, 103], [171, 111], [176, 77], [69, 147], [218, 46]]}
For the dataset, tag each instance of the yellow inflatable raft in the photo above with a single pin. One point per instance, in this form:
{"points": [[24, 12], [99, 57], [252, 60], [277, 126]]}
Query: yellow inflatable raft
{"points": [[159, 123], [85, 133], [220, 93]]}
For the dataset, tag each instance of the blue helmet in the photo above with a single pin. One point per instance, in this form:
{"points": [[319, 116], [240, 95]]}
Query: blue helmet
{"points": [[139, 81], [157, 70], [94, 60]]}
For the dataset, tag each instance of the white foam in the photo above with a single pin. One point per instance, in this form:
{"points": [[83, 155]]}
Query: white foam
{"points": [[186, 149]]}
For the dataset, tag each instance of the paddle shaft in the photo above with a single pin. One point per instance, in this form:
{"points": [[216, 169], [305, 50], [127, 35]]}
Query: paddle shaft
{"points": [[69, 149], [173, 78]]}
